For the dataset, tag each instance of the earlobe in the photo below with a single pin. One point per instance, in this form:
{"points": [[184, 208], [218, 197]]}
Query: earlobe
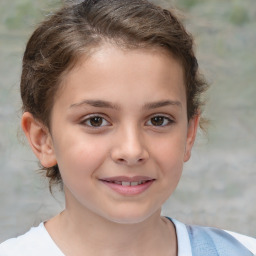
{"points": [[39, 139], [191, 136]]}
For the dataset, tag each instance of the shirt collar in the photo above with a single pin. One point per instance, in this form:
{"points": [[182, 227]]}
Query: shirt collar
{"points": [[184, 246]]}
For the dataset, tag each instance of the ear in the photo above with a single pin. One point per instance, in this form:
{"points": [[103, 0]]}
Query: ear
{"points": [[40, 140], [191, 135]]}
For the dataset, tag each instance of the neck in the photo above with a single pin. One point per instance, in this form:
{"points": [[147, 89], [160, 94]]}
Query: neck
{"points": [[85, 233]]}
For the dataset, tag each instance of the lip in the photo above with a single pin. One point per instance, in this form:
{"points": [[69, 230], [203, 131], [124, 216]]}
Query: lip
{"points": [[128, 190], [128, 179]]}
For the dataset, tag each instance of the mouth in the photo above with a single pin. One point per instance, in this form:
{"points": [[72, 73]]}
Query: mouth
{"points": [[128, 185], [128, 181]]}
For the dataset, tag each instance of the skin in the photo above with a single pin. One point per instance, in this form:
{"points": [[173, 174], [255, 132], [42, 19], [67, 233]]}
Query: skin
{"points": [[120, 88]]}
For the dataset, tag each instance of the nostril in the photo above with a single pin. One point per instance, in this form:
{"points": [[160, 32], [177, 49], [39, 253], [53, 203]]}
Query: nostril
{"points": [[125, 161]]}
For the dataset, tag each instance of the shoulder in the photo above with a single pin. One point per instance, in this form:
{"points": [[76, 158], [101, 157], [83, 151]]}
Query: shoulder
{"points": [[201, 241], [247, 241], [36, 241], [223, 242]]}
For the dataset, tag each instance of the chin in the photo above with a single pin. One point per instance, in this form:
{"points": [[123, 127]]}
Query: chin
{"points": [[130, 217]]}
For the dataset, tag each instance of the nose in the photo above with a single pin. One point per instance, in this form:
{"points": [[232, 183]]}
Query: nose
{"points": [[129, 148]]}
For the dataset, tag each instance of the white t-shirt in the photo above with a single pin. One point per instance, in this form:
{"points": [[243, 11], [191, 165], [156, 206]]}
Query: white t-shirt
{"points": [[38, 242]]}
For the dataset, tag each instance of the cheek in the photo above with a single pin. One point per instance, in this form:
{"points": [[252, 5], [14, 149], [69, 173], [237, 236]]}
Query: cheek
{"points": [[169, 154], [80, 156], [171, 166], [171, 149], [79, 164]]}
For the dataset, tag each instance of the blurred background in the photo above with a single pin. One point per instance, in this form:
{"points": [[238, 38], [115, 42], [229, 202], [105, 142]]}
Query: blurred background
{"points": [[218, 187]]}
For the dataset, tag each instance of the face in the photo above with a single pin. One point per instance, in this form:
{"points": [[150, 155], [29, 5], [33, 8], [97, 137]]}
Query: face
{"points": [[120, 134]]}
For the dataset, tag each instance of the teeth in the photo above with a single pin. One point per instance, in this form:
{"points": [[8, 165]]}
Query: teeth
{"points": [[126, 183]]}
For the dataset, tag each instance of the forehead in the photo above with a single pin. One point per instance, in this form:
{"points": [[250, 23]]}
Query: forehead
{"points": [[105, 48], [109, 69]]}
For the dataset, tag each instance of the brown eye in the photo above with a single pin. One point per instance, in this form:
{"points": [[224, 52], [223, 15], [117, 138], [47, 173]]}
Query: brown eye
{"points": [[95, 121], [159, 121]]}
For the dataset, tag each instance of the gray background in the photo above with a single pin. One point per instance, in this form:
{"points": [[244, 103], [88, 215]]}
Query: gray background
{"points": [[218, 184]]}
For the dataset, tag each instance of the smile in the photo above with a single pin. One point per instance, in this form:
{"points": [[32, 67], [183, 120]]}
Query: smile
{"points": [[128, 186], [127, 183]]}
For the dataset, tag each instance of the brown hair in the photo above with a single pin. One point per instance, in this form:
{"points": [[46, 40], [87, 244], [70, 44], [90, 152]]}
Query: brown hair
{"points": [[59, 42]]}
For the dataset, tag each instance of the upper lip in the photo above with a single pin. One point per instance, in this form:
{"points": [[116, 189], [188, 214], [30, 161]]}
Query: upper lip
{"points": [[127, 179]]}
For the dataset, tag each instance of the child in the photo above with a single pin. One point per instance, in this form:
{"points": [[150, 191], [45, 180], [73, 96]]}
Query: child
{"points": [[111, 100]]}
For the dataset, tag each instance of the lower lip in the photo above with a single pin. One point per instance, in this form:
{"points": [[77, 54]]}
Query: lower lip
{"points": [[129, 190]]}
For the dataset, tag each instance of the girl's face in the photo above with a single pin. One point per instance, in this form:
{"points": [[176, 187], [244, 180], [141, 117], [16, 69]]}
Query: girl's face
{"points": [[119, 133]]}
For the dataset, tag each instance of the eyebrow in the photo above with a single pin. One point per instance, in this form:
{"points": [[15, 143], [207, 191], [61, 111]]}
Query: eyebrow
{"points": [[95, 103], [107, 104], [162, 103]]}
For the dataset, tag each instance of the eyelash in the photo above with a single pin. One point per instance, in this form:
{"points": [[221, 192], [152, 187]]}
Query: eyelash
{"points": [[90, 118], [166, 121]]}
